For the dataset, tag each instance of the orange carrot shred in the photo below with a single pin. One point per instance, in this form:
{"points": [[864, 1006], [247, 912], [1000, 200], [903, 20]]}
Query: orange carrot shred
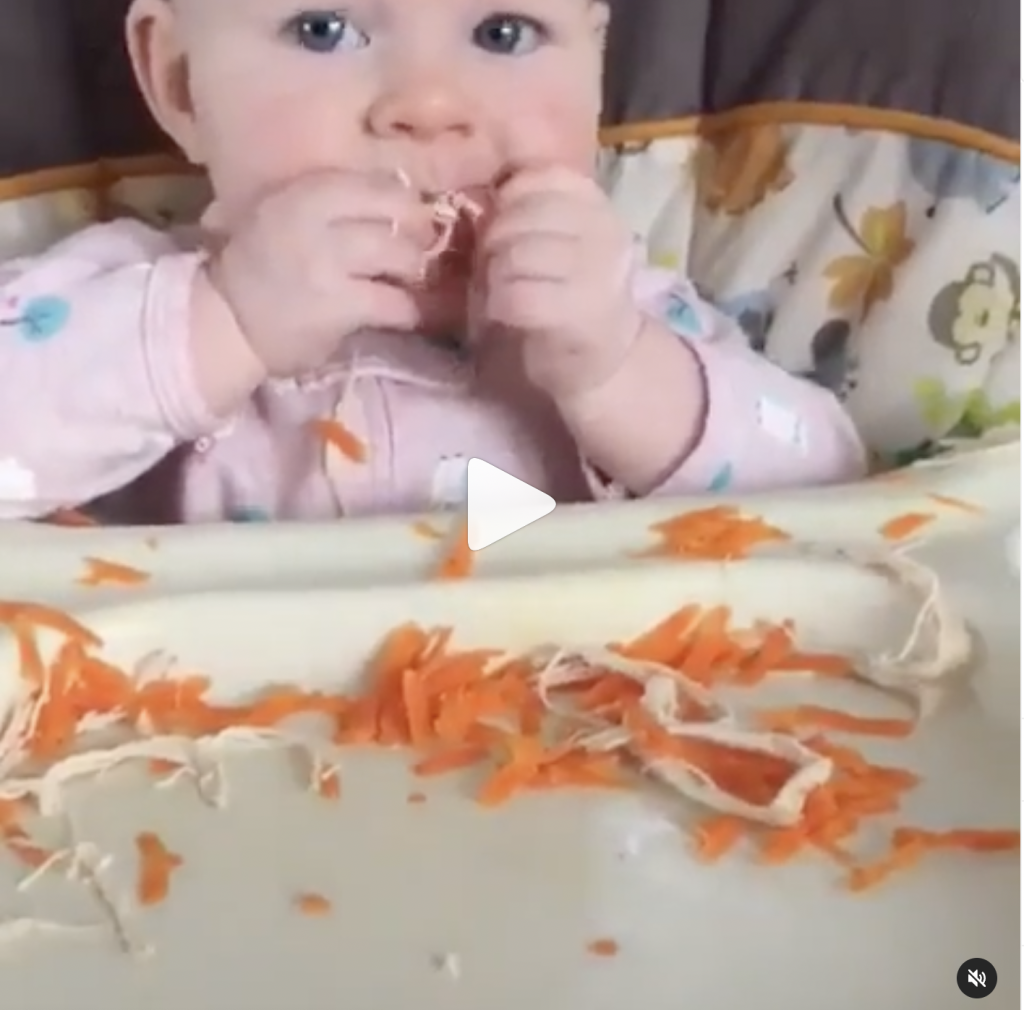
{"points": [[968, 839], [821, 663], [156, 866], [100, 572], [719, 533], [959, 504], [709, 643], [163, 766], [458, 560], [903, 526], [664, 642], [790, 719], [328, 784], [312, 904], [41, 616], [459, 708], [775, 648], [338, 437], [716, 836], [603, 947]]}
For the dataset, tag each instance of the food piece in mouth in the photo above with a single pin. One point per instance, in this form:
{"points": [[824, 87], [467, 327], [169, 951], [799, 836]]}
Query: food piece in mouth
{"points": [[454, 215]]}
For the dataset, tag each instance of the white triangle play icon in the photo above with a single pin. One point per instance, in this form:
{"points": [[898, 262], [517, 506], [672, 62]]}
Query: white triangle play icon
{"points": [[499, 504]]}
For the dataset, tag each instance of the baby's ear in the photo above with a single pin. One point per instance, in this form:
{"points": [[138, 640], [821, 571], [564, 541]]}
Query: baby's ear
{"points": [[161, 70]]}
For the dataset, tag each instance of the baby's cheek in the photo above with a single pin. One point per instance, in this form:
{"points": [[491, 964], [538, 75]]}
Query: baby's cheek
{"points": [[542, 125], [258, 145]]}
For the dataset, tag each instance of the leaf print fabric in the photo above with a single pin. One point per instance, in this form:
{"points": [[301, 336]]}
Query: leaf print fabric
{"points": [[739, 169], [861, 280]]}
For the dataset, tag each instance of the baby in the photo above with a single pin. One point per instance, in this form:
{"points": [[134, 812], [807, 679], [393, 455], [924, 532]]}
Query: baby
{"points": [[191, 373]]}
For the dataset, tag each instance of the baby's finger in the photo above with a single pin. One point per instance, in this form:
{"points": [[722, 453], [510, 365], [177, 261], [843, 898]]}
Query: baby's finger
{"points": [[525, 305], [368, 250], [553, 179], [360, 196], [542, 214], [536, 258], [379, 305]]}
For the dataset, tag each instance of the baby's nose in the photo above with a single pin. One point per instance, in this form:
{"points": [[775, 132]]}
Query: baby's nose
{"points": [[423, 112]]}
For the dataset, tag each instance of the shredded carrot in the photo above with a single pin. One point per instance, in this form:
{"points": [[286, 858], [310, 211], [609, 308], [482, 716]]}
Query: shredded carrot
{"points": [[456, 709], [156, 867], [709, 644], [457, 562], [968, 840], [328, 784], [903, 526], [336, 435], [25, 851], [909, 846], [41, 616], [603, 947], [719, 533], [791, 719], [312, 904], [162, 767], [100, 572], [959, 504], [15, 839], [822, 663], [716, 836]]}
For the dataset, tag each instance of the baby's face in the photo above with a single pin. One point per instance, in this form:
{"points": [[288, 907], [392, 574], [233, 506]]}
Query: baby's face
{"points": [[453, 93]]}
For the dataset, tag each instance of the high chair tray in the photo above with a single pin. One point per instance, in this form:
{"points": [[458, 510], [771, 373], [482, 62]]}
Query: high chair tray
{"points": [[560, 899], [965, 493]]}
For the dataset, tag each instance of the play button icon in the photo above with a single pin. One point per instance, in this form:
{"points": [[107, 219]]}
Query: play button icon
{"points": [[498, 504]]}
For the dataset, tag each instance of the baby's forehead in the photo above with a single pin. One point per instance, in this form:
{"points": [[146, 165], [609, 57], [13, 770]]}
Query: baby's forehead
{"points": [[393, 8]]}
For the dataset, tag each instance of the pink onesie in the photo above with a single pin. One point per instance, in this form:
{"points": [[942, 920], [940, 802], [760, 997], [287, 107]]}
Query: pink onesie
{"points": [[100, 402]]}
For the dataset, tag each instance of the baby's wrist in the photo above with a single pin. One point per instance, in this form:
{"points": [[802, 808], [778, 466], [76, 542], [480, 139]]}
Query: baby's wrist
{"points": [[642, 423], [227, 369], [653, 355]]}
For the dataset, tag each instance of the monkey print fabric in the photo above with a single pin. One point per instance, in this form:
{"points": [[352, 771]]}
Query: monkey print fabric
{"points": [[883, 267]]}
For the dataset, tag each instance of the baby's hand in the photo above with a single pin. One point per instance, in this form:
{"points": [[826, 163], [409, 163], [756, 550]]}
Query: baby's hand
{"points": [[556, 273], [319, 259]]}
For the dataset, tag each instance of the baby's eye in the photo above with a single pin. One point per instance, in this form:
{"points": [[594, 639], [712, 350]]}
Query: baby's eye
{"points": [[509, 35], [325, 32]]}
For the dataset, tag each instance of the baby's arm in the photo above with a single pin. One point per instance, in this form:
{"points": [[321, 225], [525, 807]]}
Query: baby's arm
{"points": [[694, 409], [113, 350]]}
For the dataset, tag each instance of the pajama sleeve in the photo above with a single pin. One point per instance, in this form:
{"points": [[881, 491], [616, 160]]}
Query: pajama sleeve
{"points": [[764, 429], [94, 354]]}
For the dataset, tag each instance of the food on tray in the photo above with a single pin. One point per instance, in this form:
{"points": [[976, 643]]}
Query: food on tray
{"points": [[904, 526], [611, 717], [312, 904], [157, 864], [718, 533]]}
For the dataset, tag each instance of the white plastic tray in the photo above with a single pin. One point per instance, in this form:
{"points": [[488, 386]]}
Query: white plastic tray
{"points": [[42, 563], [513, 896]]}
